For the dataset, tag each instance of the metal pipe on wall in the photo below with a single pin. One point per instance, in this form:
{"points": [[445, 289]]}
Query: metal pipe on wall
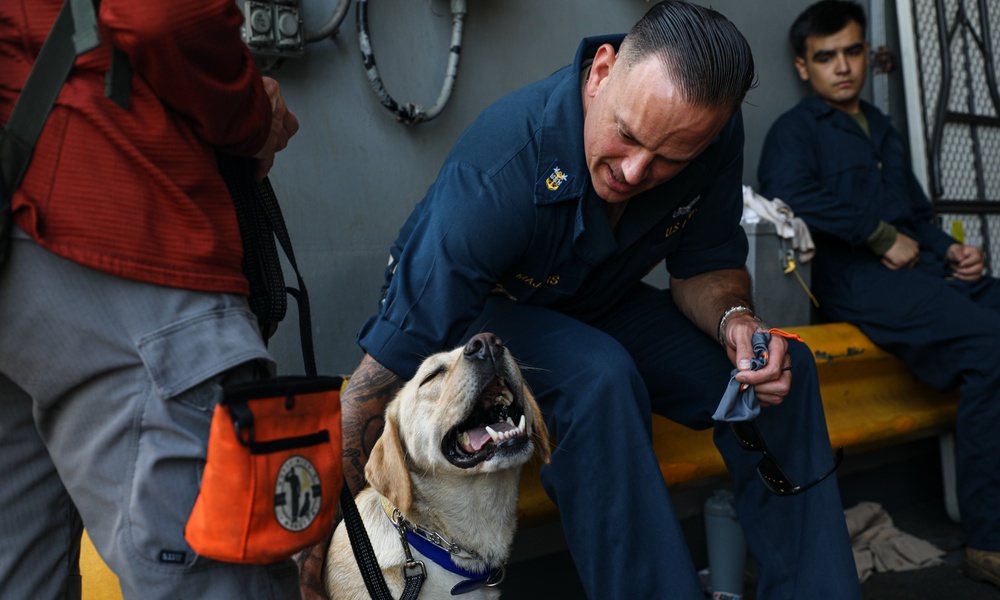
{"points": [[410, 113], [332, 24]]}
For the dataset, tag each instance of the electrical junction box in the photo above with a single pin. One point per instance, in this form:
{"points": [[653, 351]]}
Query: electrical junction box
{"points": [[273, 29], [780, 298]]}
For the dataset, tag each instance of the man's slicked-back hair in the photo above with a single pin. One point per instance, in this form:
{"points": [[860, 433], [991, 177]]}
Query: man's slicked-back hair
{"points": [[708, 59], [824, 18]]}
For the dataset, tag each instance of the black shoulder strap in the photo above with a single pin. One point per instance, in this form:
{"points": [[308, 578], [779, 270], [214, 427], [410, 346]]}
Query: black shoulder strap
{"points": [[118, 83], [74, 33], [47, 76]]}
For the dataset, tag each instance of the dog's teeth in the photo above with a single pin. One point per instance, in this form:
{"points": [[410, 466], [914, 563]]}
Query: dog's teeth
{"points": [[465, 441], [493, 435], [510, 421], [520, 425]]}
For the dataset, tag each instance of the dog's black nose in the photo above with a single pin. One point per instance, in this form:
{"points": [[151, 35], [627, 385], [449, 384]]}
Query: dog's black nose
{"points": [[484, 346]]}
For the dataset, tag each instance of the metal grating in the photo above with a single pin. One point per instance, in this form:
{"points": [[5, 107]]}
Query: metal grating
{"points": [[960, 114]]}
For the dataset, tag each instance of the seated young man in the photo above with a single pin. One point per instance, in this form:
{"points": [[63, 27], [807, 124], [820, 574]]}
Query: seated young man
{"points": [[881, 262]]}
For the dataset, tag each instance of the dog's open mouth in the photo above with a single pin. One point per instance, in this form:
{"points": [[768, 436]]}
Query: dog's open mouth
{"points": [[496, 425]]}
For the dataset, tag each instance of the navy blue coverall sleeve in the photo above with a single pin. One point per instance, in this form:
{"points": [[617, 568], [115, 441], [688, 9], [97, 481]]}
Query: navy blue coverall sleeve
{"points": [[717, 240], [460, 240], [790, 169], [843, 184], [929, 235]]}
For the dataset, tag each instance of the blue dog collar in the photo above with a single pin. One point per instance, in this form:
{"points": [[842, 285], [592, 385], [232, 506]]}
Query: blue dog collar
{"points": [[419, 539]]}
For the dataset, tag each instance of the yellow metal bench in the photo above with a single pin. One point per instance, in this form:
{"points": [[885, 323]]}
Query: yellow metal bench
{"points": [[871, 401]]}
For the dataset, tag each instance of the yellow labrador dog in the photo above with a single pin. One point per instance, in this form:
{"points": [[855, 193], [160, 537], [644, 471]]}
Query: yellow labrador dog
{"points": [[446, 470]]}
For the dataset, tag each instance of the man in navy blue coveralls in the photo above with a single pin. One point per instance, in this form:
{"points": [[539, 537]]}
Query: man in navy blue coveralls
{"points": [[881, 263], [543, 221]]}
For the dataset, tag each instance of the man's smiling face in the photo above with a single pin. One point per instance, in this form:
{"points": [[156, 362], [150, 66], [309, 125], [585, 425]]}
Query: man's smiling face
{"points": [[638, 130]]}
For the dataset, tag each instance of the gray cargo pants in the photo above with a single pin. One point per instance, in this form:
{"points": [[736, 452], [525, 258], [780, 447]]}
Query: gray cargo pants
{"points": [[107, 388]]}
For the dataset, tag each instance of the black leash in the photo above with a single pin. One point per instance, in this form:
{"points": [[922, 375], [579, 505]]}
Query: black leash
{"points": [[413, 572], [260, 221]]}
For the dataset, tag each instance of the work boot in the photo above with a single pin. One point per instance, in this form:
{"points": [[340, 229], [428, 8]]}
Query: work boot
{"points": [[982, 565]]}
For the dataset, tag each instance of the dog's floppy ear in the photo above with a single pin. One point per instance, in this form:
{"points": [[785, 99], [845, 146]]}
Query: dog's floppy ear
{"points": [[542, 440], [386, 469]]}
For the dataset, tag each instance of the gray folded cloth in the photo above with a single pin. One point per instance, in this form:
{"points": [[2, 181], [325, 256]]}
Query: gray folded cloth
{"points": [[879, 547], [739, 403]]}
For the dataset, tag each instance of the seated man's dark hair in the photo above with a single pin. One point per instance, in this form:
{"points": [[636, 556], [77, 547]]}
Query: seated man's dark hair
{"points": [[825, 18], [707, 57]]}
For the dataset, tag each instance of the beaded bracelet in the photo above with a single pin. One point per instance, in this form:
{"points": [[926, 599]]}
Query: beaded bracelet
{"points": [[725, 317]]}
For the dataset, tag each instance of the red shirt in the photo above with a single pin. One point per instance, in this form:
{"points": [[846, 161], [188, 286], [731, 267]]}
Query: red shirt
{"points": [[136, 193]]}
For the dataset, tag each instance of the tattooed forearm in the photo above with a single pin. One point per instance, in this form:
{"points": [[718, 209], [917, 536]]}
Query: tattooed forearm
{"points": [[354, 465], [362, 406]]}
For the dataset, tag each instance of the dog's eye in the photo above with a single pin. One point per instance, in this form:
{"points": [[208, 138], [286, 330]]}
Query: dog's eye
{"points": [[433, 375]]}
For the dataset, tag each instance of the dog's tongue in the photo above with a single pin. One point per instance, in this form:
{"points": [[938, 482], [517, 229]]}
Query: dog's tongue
{"points": [[479, 436]]}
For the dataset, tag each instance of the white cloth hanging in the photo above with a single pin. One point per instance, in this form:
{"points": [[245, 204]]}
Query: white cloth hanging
{"points": [[757, 208]]}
